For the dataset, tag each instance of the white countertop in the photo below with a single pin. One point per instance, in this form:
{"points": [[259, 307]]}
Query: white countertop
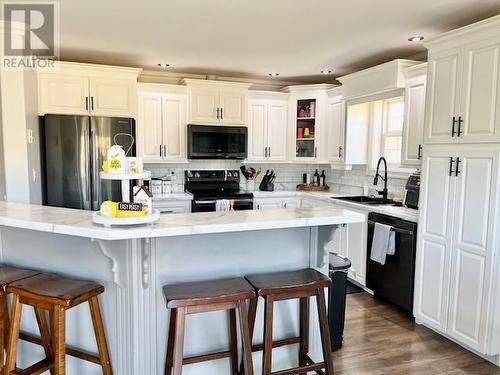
{"points": [[79, 222]]}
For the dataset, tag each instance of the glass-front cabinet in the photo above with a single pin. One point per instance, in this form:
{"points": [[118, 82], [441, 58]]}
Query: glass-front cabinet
{"points": [[305, 129]]}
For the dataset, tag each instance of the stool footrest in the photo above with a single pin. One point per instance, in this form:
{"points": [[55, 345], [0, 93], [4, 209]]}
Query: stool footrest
{"points": [[71, 351], [277, 343], [36, 369], [309, 361], [206, 357], [301, 370]]}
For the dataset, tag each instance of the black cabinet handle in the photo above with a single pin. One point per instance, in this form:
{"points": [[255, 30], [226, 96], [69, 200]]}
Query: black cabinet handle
{"points": [[160, 151], [92, 102], [451, 166], [86, 103], [419, 154], [457, 172], [218, 113], [460, 121], [221, 114], [315, 151], [454, 122]]}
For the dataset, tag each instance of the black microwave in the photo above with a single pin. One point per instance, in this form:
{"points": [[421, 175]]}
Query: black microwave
{"points": [[217, 142]]}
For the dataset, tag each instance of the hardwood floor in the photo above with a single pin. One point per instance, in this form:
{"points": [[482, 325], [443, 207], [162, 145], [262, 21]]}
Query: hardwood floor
{"points": [[380, 339]]}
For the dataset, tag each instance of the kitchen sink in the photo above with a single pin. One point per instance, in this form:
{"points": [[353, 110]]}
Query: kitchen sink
{"points": [[368, 200]]}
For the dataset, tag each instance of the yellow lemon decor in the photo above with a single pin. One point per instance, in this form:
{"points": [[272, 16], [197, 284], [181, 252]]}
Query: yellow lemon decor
{"points": [[105, 166], [109, 209]]}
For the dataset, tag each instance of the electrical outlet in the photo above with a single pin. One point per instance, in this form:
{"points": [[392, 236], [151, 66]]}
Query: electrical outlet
{"points": [[31, 138]]}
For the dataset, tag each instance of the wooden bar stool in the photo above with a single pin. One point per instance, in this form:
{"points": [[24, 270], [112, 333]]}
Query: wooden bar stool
{"points": [[8, 275], [301, 284], [56, 294], [198, 297]]}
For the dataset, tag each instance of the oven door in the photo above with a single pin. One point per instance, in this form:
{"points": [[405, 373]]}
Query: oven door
{"points": [[243, 204], [203, 205]]}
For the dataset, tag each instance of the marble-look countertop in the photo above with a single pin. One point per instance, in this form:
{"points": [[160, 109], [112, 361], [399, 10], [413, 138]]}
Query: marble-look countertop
{"points": [[401, 212], [79, 222]]}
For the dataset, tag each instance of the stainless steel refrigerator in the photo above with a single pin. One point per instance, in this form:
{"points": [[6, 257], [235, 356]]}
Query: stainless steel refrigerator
{"points": [[75, 148]]}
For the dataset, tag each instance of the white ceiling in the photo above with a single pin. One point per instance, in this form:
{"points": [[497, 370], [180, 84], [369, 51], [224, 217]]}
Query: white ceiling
{"points": [[255, 37]]}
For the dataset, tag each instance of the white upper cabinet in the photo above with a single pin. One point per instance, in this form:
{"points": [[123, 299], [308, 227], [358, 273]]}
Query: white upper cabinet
{"points": [[112, 97], [463, 86], [149, 127], [267, 129], [217, 102], [63, 94], [335, 130], [161, 125], [86, 89], [413, 131]]}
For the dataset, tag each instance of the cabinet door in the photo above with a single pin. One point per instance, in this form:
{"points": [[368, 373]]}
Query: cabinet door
{"points": [[443, 95], [432, 269], [174, 127], [276, 131], [112, 97], [232, 106], [335, 131], [265, 204], [291, 203], [63, 94], [257, 124], [354, 242], [480, 109], [149, 127], [413, 132], [473, 245], [204, 103]]}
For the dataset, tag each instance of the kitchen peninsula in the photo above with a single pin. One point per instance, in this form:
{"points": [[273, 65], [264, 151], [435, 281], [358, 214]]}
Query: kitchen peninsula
{"points": [[134, 263]]}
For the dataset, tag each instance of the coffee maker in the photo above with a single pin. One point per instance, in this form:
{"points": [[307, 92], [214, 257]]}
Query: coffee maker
{"points": [[412, 190]]}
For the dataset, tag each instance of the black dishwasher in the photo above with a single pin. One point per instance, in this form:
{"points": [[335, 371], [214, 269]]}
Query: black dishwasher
{"points": [[393, 281]]}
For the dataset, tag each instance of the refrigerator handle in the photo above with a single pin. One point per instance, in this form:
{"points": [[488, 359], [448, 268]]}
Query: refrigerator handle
{"points": [[96, 192], [85, 178]]}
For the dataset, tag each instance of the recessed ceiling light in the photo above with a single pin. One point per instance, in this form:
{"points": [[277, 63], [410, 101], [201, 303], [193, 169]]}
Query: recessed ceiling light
{"points": [[274, 74], [417, 38], [326, 71], [163, 65]]}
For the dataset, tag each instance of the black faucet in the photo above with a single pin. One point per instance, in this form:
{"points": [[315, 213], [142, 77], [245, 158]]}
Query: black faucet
{"points": [[383, 193]]}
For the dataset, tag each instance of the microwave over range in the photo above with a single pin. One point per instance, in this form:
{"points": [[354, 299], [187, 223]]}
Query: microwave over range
{"points": [[217, 142]]}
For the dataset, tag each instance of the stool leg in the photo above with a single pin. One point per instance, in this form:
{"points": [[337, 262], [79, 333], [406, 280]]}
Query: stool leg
{"points": [[233, 340], [169, 360], [58, 320], [100, 335], [246, 337], [44, 334], [13, 335], [179, 340], [325, 331], [252, 312], [304, 331], [268, 336], [4, 327]]}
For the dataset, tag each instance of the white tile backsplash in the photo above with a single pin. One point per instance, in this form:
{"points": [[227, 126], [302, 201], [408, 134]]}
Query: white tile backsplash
{"points": [[288, 175]]}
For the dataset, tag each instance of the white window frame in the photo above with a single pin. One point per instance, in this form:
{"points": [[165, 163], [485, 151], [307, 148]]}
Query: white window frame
{"points": [[394, 170]]}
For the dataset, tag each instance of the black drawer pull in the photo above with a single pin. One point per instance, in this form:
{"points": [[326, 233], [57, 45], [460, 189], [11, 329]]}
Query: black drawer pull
{"points": [[451, 166], [457, 172]]}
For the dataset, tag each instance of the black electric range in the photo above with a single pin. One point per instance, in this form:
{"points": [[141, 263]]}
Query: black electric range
{"points": [[209, 186]]}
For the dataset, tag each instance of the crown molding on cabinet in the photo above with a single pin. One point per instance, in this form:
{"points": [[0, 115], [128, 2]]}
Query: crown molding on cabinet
{"points": [[415, 71]]}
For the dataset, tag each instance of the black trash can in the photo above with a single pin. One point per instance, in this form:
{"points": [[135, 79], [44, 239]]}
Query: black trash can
{"points": [[336, 296]]}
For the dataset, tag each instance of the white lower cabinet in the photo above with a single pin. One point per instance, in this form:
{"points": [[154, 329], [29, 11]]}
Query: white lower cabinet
{"points": [[172, 207], [267, 203], [455, 266]]}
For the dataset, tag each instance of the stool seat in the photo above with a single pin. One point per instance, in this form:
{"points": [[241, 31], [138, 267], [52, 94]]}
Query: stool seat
{"points": [[56, 289], [207, 292], [10, 274], [285, 282]]}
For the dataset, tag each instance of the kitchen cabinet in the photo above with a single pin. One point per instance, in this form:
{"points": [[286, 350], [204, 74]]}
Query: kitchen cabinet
{"points": [[336, 121], [172, 206], [456, 250], [413, 130], [291, 203], [307, 118], [463, 87], [267, 203], [161, 127], [267, 123], [86, 89], [216, 102]]}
